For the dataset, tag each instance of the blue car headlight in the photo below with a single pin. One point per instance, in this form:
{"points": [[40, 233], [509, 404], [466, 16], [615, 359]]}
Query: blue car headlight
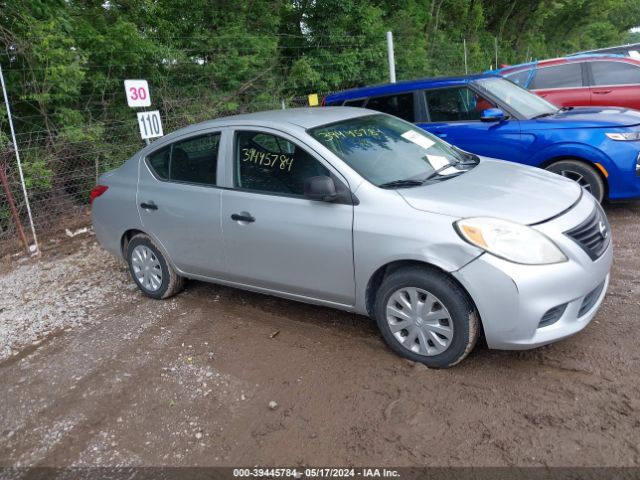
{"points": [[624, 137]]}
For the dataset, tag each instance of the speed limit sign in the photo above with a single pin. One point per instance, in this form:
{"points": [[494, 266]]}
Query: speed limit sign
{"points": [[137, 93]]}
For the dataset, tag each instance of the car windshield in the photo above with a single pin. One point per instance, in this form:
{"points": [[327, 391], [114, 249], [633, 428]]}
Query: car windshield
{"points": [[387, 151], [522, 101]]}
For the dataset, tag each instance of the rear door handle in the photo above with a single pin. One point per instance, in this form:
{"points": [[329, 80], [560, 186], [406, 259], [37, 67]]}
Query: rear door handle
{"points": [[601, 92], [149, 206], [242, 218]]}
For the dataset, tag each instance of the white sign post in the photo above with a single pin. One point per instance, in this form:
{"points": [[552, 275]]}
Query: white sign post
{"points": [[150, 124], [137, 93]]}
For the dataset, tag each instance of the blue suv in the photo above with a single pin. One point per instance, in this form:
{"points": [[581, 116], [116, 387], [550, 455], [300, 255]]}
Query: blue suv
{"points": [[598, 147]]}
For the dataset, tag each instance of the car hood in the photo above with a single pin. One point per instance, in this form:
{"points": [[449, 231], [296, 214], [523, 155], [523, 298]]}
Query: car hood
{"points": [[589, 117], [496, 188]]}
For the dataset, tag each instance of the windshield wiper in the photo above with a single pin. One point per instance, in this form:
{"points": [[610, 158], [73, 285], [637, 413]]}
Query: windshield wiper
{"points": [[543, 115], [442, 168], [401, 183]]}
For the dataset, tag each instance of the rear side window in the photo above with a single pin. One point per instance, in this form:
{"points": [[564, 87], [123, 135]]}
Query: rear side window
{"points": [[399, 105], [193, 160], [615, 73], [455, 104], [519, 78], [568, 75]]}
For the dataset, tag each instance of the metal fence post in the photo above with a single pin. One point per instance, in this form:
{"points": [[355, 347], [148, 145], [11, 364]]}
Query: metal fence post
{"points": [[391, 58], [15, 146]]}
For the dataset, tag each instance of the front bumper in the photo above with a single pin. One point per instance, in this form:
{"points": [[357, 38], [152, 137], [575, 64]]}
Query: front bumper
{"points": [[512, 299]]}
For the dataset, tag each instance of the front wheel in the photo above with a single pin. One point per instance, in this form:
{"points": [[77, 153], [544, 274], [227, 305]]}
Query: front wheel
{"points": [[583, 174], [425, 316]]}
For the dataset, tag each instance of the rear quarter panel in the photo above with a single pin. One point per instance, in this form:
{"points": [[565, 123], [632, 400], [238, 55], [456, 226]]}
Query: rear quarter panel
{"points": [[115, 211]]}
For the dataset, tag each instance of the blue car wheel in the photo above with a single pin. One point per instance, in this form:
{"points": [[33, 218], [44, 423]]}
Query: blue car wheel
{"points": [[585, 175]]}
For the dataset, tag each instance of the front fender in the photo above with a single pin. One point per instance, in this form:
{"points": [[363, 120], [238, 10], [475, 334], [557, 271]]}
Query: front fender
{"points": [[544, 157]]}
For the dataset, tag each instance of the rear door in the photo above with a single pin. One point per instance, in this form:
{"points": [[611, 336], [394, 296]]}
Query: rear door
{"points": [[615, 84], [179, 202], [274, 237], [563, 85], [453, 114]]}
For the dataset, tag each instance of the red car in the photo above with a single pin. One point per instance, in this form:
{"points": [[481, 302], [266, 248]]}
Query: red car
{"points": [[581, 80]]}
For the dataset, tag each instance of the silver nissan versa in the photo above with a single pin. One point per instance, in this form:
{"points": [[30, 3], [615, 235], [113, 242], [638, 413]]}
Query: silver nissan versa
{"points": [[363, 212]]}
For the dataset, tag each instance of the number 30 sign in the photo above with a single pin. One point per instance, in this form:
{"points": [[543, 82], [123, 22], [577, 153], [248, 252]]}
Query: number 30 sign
{"points": [[137, 93]]}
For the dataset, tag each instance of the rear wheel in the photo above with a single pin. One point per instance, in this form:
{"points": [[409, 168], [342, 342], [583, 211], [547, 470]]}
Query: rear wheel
{"points": [[583, 174], [425, 316], [150, 270]]}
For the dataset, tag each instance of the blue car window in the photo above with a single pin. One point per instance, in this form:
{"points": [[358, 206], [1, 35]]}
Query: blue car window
{"points": [[455, 104], [400, 105]]}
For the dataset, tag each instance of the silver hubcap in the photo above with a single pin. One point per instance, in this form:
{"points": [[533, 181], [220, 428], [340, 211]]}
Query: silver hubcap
{"points": [[419, 321], [146, 268], [576, 177]]}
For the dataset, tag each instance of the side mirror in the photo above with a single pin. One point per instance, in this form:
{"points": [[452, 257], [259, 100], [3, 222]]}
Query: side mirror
{"points": [[492, 115], [320, 188]]}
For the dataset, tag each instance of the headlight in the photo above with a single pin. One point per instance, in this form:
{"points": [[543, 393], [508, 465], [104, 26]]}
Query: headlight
{"points": [[625, 137], [511, 241]]}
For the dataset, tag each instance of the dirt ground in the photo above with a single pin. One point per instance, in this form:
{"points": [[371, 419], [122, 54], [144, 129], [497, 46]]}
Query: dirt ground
{"points": [[93, 373]]}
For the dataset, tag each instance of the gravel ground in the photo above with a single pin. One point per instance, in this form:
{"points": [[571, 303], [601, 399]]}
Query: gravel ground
{"points": [[96, 374]]}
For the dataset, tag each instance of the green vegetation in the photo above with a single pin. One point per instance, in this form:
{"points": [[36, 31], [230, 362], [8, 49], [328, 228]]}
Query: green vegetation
{"points": [[65, 61]]}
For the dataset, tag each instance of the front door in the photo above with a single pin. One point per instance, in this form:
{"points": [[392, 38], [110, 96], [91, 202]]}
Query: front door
{"points": [[179, 202], [274, 237], [454, 116]]}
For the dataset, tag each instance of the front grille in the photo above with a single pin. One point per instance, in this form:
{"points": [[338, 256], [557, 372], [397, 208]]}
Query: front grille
{"points": [[552, 315], [590, 300], [593, 235]]}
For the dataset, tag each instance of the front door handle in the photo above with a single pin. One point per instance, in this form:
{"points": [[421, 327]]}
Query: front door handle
{"points": [[245, 217], [601, 92], [149, 205]]}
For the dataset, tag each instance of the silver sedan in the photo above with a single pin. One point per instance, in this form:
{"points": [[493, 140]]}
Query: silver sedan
{"points": [[363, 212]]}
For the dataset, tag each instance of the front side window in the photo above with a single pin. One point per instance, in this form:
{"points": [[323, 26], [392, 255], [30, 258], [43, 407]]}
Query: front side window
{"points": [[192, 161], [269, 163], [615, 73], [455, 104], [400, 105], [384, 149]]}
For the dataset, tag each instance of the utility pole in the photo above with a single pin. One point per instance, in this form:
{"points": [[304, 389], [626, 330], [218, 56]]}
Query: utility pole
{"points": [[15, 146], [390, 56]]}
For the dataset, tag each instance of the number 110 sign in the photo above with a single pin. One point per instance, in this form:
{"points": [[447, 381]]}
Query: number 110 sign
{"points": [[150, 124]]}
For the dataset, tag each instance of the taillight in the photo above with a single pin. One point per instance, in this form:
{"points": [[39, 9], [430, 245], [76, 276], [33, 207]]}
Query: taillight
{"points": [[96, 192]]}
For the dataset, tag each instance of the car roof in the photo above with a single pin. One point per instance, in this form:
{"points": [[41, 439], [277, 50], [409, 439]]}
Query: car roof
{"points": [[309, 117], [405, 85], [560, 60]]}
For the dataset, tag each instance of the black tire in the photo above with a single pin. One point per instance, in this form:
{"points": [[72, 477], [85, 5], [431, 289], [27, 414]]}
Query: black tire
{"points": [[583, 173], [466, 326], [170, 284]]}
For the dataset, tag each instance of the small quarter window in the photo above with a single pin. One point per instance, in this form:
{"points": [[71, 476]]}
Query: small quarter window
{"points": [[159, 162], [519, 78]]}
